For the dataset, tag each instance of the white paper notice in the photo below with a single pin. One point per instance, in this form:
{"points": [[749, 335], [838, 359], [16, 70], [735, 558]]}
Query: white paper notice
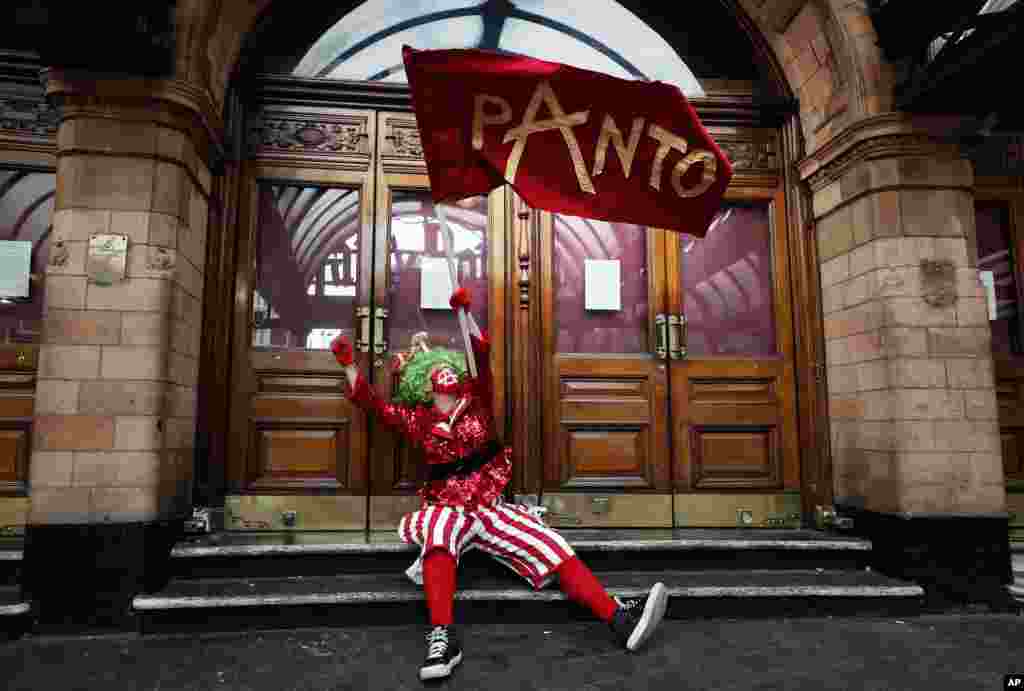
{"points": [[603, 284], [15, 266], [435, 283], [988, 279]]}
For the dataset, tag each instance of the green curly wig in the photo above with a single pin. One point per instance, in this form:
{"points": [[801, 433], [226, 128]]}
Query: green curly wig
{"points": [[414, 383]]}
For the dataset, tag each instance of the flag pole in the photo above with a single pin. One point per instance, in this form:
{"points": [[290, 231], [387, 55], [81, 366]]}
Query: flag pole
{"points": [[448, 241]]}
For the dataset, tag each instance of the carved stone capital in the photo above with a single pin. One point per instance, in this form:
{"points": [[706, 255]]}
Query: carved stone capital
{"points": [[172, 102], [890, 135]]}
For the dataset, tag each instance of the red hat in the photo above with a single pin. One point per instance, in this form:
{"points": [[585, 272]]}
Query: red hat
{"points": [[445, 380]]}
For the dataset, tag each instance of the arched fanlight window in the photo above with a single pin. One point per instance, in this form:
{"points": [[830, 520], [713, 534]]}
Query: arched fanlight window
{"points": [[599, 35]]}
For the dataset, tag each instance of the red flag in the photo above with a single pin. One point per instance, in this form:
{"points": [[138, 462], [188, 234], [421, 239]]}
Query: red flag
{"points": [[568, 140]]}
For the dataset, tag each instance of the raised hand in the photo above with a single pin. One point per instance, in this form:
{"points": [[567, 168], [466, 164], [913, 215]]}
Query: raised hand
{"points": [[342, 349], [460, 298]]}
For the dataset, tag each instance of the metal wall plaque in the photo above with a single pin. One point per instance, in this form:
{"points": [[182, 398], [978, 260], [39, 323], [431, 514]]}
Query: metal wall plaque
{"points": [[108, 256]]}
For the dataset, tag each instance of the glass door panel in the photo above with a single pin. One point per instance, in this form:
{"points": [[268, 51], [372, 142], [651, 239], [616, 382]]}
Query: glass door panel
{"points": [[416, 254], [585, 324], [307, 266], [997, 264], [728, 289]]}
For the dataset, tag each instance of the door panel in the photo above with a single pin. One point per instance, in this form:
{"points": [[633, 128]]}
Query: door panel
{"points": [[732, 381], [311, 243], [408, 235], [997, 253], [307, 243], [336, 238], [605, 455], [998, 217], [26, 215]]}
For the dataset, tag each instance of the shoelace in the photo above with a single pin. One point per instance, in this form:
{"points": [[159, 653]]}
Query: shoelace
{"points": [[628, 604], [437, 640]]}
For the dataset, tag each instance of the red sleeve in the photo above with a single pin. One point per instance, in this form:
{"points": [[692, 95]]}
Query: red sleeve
{"points": [[403, 418], [484, 383]]}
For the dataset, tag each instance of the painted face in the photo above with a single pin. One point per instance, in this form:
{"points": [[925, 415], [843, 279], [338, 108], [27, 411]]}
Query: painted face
{"points": [[444, 384], [444, 380]]}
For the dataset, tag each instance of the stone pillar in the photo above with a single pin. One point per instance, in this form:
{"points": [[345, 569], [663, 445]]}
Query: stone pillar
{"points": [[113, 439], [915, 436]]}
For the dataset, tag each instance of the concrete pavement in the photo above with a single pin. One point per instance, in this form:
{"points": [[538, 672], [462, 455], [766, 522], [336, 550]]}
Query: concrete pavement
{"points": [[966, 651]]}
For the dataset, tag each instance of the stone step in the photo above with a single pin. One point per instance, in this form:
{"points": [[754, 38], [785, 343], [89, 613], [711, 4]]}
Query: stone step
{"points": [[226, 555], [368, 599], [10, 563], [11, 604], [1017, 561], [14, 613]]}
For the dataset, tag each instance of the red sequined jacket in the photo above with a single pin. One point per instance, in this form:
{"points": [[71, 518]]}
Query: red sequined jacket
{"points": [[448, 438]]}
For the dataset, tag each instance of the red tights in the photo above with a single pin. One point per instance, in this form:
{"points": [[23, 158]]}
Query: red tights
{"points": [[575, 579], [439, 586]]}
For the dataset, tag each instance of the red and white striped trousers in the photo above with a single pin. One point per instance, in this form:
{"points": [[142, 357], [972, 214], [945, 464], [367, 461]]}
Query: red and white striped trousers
{"points": [[507, 532]]}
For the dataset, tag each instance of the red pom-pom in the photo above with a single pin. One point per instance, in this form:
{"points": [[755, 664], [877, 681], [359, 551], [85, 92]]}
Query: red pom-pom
{"points": [[460, 298], [342, 349]]}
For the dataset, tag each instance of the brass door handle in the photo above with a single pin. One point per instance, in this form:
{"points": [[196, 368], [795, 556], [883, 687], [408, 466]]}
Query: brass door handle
{"points": [[363, 341], [379, 344], [673, 336], [661, 334], [677, 336], [682, 336]]}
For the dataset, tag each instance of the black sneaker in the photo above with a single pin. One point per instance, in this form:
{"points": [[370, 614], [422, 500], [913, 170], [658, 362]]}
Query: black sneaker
{"points": [[443, 653], [635, 620]]}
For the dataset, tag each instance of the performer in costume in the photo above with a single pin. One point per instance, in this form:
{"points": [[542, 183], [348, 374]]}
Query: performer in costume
{"points": [[462, 506]]}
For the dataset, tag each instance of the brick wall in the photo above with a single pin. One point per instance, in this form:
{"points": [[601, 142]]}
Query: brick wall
{"points": [[118, 364], [911, 392]]}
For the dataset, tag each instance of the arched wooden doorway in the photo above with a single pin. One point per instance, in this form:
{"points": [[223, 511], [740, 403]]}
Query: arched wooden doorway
{"points": [[333, 230]]}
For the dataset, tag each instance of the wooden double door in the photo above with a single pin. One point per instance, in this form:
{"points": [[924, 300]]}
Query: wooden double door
{"points": [[668, 377], [339, 235], [654, 371]]}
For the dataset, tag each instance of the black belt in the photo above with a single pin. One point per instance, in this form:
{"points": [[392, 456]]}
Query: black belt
{"points": [[467, 464]]}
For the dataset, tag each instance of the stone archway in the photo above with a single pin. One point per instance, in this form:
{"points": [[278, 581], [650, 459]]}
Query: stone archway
{"points": [[911, 400], [884, 195], [863, 164], [876, 178]]}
